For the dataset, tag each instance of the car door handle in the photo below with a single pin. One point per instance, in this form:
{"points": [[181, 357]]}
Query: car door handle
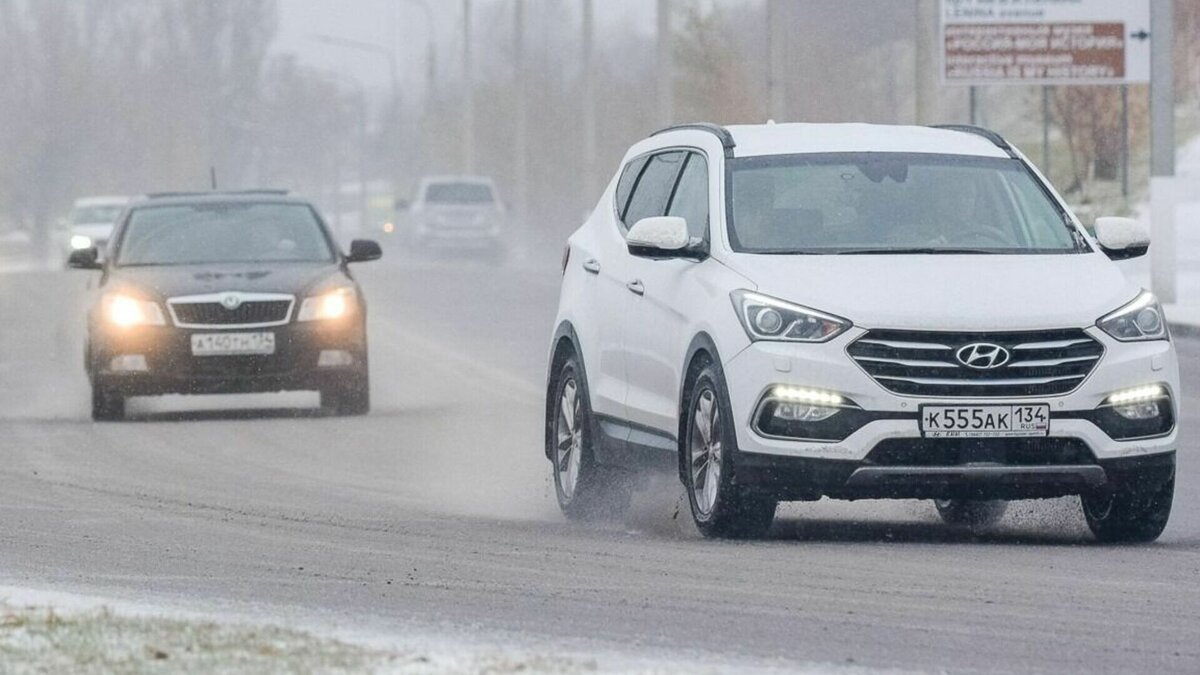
{"points": [[636, 287], [592, 265]]}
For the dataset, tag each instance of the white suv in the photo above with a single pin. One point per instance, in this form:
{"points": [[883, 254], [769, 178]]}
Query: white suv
{"points": [[786, 312]]}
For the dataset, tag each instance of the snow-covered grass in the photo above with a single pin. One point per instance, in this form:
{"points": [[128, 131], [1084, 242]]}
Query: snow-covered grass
{"points": [[46, 640]]}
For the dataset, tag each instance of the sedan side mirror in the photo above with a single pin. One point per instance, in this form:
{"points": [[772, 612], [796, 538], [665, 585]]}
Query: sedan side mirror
{"points": [[1122, 238], [364, 250], [663, 237], [84, 259]]}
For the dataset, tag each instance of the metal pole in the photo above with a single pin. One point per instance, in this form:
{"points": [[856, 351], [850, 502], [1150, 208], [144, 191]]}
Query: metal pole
{"points": [[468, 118], [973, 102], [1125, 142], [776, 100], [1046, 130], [589, 104], [666, 66], [925, 67], [1162, 149], [521, 133]]}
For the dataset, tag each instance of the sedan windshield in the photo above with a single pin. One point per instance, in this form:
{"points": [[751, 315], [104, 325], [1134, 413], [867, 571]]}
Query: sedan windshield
{"points": [[223, 233], [459, 193], [847, 203]]}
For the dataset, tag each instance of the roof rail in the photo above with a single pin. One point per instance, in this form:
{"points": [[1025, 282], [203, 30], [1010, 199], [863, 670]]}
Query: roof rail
{"points": [[717, 130], [996, 139], [168, 195]]}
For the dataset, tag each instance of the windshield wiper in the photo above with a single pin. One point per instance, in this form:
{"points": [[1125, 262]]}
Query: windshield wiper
{"points": [[926, 250]]}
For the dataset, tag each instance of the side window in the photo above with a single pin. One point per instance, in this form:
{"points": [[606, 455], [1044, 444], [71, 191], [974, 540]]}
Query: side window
{"points": [[691, 196], [653, 189], [625, 185]]}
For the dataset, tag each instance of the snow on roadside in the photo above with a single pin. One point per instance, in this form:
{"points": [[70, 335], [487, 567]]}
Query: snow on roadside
{"points": [[55, 631]]}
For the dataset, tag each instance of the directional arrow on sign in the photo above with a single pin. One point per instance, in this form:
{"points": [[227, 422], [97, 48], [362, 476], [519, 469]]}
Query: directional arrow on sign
{"points": [[1142, 34]]}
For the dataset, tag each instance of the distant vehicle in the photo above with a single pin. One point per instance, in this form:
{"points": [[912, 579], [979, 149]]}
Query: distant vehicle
{"points": [[789, 312], [90, 223], [226, 293], [457, 212]]}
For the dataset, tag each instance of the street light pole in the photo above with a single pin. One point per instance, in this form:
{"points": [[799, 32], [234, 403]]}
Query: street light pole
{"points": [[666, 66], [468, 121], [431, 47]]}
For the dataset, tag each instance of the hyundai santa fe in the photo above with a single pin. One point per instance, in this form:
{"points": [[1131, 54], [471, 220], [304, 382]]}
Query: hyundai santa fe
{"points": [[226, 293], [796, 311]]}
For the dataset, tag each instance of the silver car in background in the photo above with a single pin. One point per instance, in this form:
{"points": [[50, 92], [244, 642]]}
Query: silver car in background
{"points": [[457, 212], [91, 222]]}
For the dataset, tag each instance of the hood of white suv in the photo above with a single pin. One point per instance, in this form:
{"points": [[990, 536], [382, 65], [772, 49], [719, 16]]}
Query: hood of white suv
{"points": [[945, 292]]}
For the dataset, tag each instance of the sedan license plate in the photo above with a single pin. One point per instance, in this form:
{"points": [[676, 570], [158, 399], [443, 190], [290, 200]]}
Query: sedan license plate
{"points": [[233, 344], [984, 421]]}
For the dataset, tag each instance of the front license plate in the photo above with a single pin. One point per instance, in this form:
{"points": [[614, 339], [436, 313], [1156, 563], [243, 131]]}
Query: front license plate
{"points": [[233, 344], [984, 421]]}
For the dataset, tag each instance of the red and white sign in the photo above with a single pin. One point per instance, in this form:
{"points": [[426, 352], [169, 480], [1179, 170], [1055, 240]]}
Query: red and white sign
{"points": [[1045, 41]]}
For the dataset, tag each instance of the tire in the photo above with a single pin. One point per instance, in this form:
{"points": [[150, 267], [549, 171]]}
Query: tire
{"points": [[720, 508], [350, 400], [107, 406], [585, 490], [974, 515], [1135, 512]]}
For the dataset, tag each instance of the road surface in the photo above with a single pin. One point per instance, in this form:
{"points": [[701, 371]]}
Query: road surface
{"points": [[436, 513]]}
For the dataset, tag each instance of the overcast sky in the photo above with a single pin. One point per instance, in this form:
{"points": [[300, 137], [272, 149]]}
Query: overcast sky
{"points": [[401, 24]]}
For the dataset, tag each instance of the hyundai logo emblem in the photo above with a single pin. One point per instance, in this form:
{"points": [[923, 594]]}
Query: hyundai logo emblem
{"points": [[982, 356], [231, 301]]}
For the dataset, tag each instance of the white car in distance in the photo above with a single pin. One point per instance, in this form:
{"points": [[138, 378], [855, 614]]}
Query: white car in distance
{"points": [[91, 222], [797, 311]]}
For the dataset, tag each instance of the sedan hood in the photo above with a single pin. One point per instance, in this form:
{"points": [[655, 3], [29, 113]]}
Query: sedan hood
{"points": [[173, 281], [945, 292]]}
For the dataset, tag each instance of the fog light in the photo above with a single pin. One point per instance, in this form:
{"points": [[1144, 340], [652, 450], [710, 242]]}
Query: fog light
{"points": [[334, 358], [799, 412], [1145, 410], [129, 363], [81, 241]]}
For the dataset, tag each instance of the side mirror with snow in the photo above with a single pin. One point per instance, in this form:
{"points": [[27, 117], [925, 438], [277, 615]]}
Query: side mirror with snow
{"points": [[1122, 238], [663, 237]]}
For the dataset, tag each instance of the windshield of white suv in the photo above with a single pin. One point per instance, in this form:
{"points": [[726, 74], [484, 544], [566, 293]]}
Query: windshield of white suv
{"points": [[846, 203], [223, 233], [459, 193]]}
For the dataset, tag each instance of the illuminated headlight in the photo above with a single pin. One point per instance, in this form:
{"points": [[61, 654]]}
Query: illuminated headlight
{"points": [[126, 311], [328, 306], [766, 318], [1141, 319], [1139, 403], [805, 405], [80, 241]]}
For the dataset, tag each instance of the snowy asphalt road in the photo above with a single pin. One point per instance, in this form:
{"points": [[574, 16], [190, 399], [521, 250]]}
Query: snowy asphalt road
{"points": [[436, 511]]}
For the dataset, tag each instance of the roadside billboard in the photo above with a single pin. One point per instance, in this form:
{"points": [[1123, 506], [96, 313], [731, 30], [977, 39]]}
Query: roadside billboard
{"points": [[1045, 41]]}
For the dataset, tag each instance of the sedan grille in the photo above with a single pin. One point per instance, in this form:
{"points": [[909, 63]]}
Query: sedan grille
{"points": [[210, 311], [931, 363]]}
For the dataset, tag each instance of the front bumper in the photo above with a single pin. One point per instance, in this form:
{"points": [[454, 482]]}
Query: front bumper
{"points": [[887, 421], [170, 367], [485, 236]]}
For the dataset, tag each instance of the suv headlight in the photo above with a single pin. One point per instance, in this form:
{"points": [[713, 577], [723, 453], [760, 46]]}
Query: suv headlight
{"points": [[126, 311], [328, 306], [767, 318], [1139, 320]]}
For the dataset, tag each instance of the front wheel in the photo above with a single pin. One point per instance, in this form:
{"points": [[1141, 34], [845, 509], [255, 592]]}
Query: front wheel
{"points": [[720, 508], [349, 400], [107, 406], [585, 489], [1135, 512]]}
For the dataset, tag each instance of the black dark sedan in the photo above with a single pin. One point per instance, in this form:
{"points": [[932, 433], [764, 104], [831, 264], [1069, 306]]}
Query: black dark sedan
{"points": [[226, 293]]}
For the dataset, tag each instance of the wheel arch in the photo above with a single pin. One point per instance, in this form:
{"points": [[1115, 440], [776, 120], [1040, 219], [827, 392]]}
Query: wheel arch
{"points": [[564, 344], [701, 352]]}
